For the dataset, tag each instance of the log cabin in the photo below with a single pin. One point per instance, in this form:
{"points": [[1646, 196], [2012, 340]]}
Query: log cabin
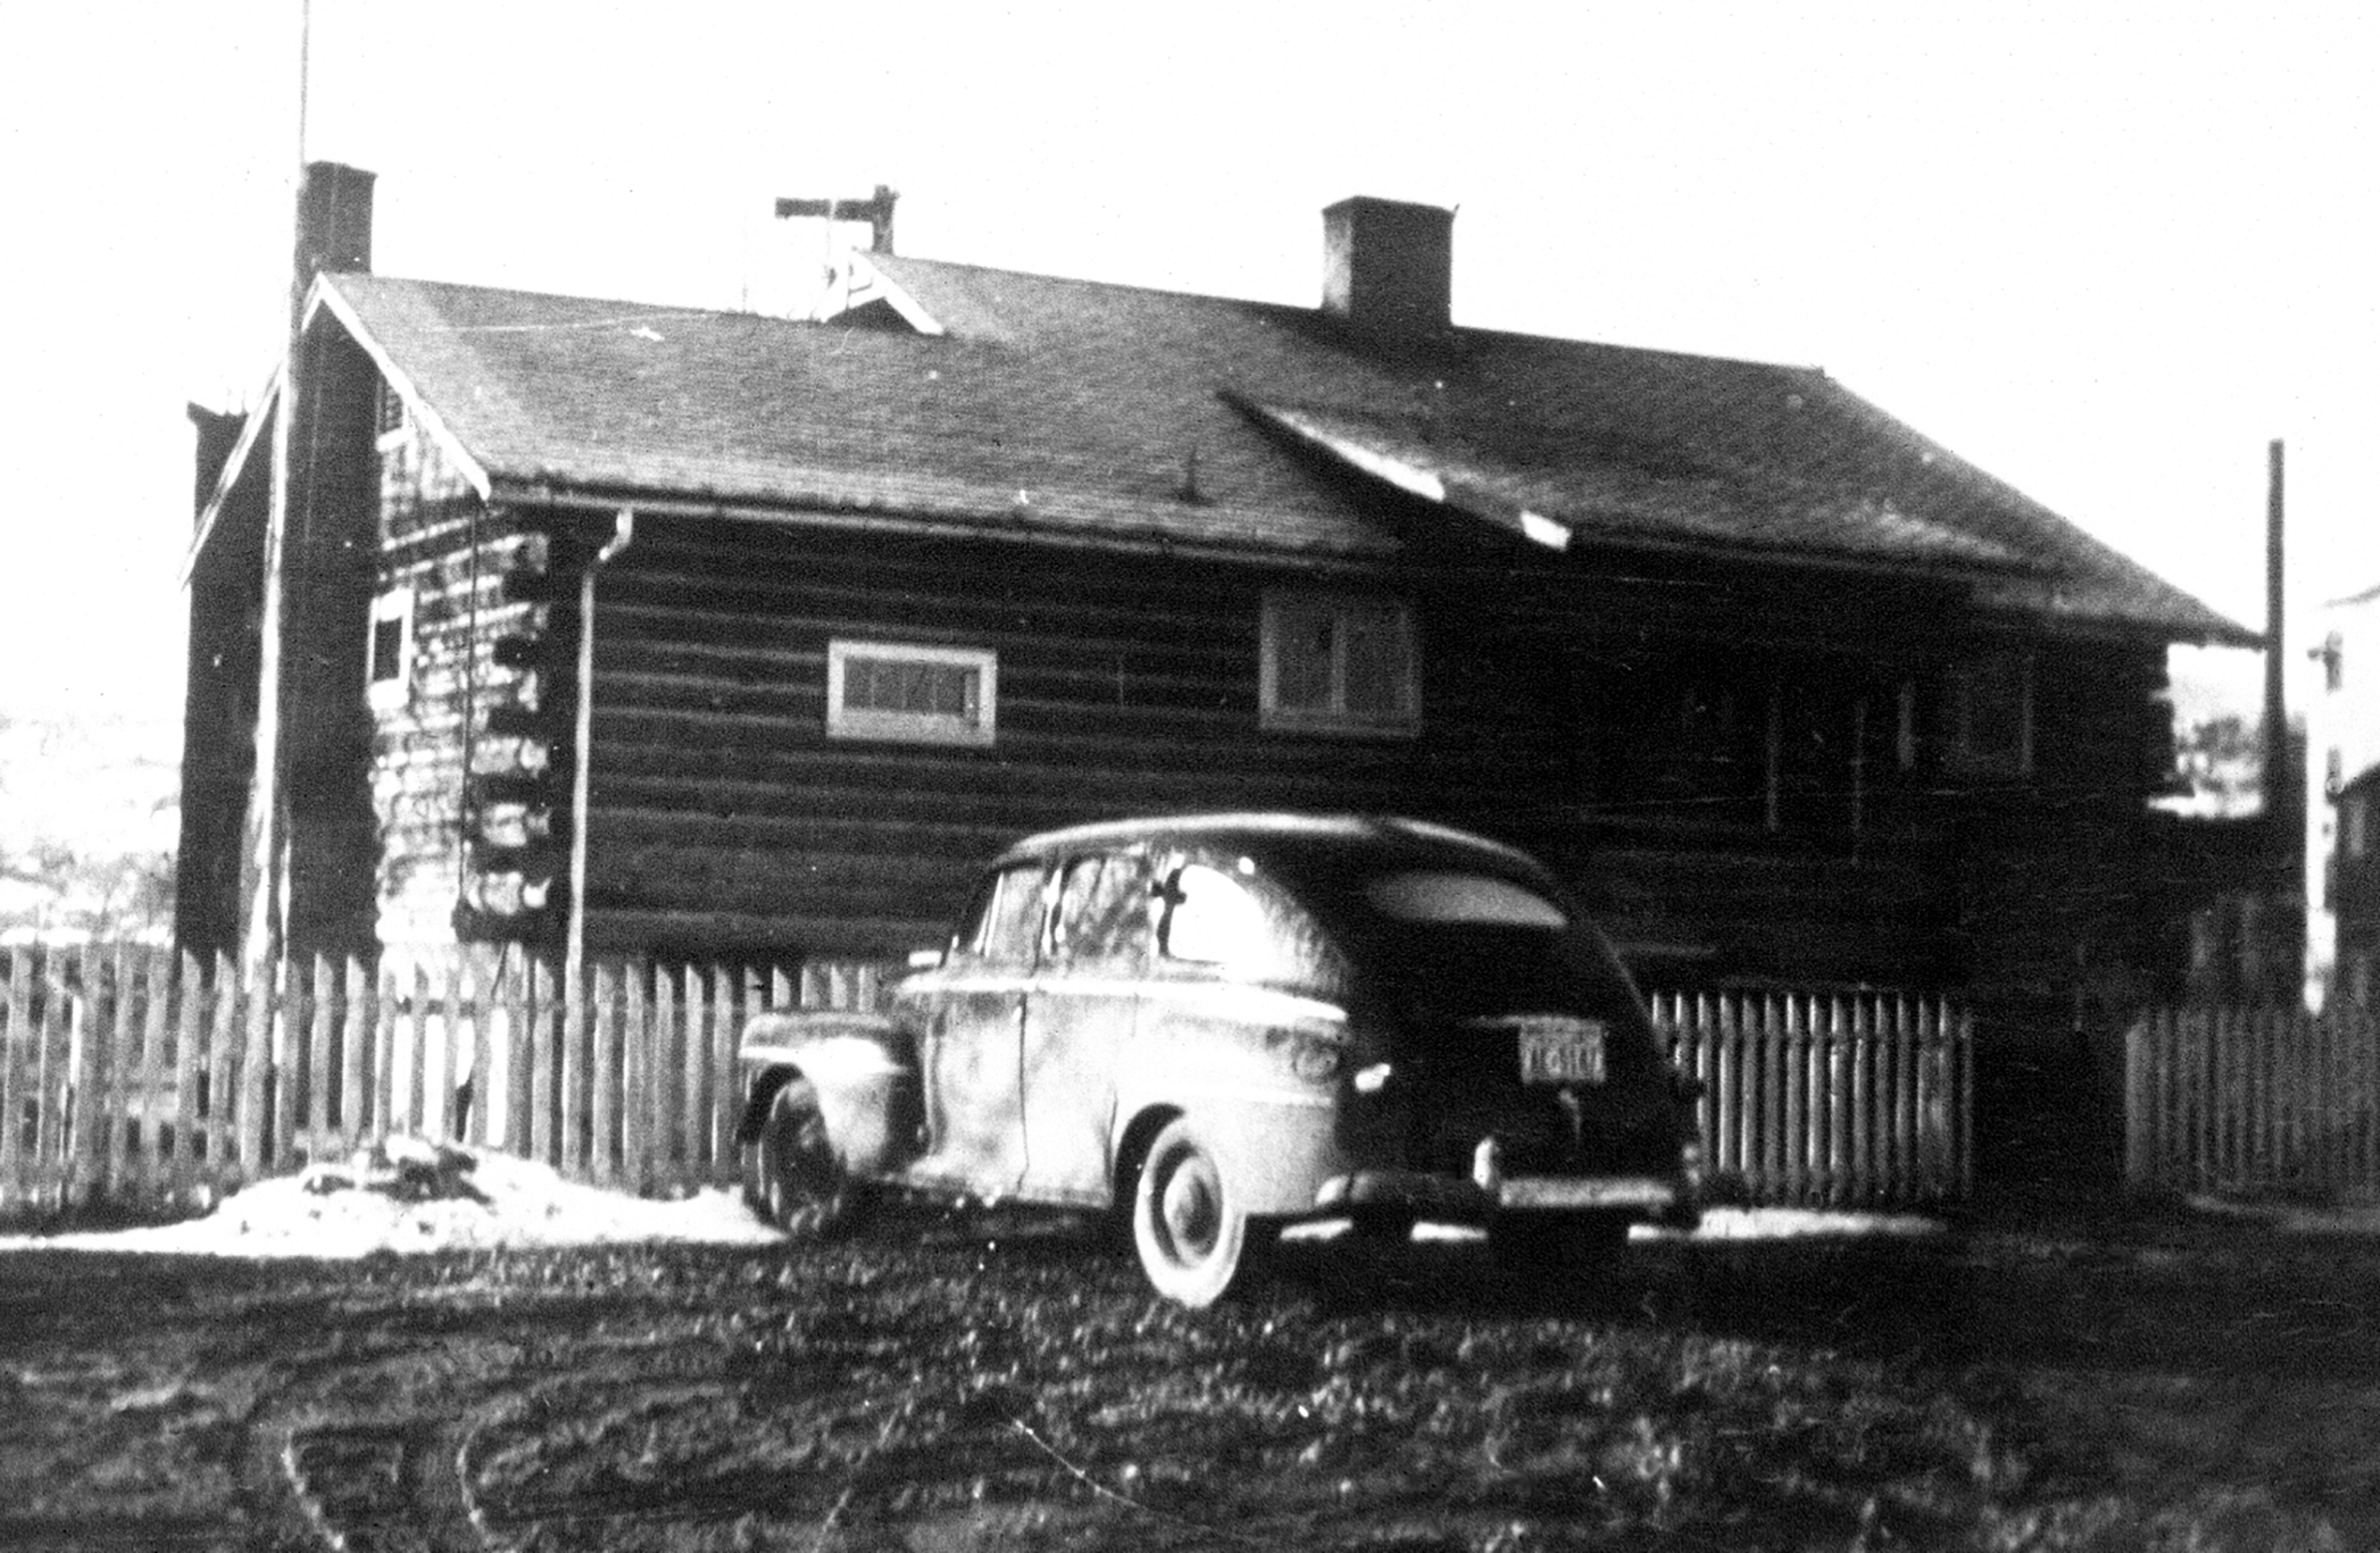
{"points": [[597, 626]]}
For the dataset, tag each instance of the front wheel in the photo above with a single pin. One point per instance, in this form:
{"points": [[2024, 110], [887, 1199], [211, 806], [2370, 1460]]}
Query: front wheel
{"points": [[793, 1177], [1195, 1242]]}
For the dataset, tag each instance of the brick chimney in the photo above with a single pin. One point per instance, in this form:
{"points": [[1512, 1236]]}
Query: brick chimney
{"points": [[335, 222], [1388, 267]]}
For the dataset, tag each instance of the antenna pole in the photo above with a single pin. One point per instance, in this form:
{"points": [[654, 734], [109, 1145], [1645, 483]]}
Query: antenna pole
{"points": [[305, 69]]}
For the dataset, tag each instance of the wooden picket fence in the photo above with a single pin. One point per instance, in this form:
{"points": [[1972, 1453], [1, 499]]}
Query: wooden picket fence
{"points": [[1853, 1100], [2253, 1100], [130, 1074]]}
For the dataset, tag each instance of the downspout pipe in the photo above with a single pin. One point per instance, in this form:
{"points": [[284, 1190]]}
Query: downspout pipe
{"points": [[574, 953]]}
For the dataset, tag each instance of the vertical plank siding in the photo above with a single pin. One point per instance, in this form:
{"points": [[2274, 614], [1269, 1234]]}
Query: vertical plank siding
{"points": [[1850, 1100], [136, 1076], [2248, 1100]]}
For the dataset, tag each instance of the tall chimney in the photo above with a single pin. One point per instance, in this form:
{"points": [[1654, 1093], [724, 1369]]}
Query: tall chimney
{"points": [[335, 222], [1388, 267]]}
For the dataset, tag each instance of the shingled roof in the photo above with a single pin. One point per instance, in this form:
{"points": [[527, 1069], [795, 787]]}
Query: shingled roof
{"points": [[1078, 410]]}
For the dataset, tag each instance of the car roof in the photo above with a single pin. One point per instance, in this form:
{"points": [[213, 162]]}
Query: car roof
{"points": [[1276, 834]]}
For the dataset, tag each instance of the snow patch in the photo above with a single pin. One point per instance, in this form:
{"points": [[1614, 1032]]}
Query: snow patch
{"points": [[415, 1196]]}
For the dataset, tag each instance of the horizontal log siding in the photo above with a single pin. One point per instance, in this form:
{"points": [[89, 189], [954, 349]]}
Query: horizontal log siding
{"points": [[428, 519], [2056, 892], [722, 815]]}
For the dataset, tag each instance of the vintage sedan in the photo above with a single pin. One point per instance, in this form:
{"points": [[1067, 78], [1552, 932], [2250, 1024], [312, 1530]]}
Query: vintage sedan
{"points": [[1218, 1025]]}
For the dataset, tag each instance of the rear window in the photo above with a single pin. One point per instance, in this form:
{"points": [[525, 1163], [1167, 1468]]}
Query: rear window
{"points": [[1481, 900]]}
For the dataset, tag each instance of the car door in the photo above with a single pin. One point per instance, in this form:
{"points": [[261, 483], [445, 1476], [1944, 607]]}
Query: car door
{"points": [[973, 1040], [1079, 1021]]}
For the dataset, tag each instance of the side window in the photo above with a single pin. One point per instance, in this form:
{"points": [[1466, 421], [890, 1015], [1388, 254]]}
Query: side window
{"points": [[1988, 710], [1005, 923], [911, 692], [1102, 912], [1343, 665], [388, 671], [1211, 917]]}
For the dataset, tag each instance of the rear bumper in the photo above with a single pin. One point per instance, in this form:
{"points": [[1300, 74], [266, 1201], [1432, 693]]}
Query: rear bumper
{"points": [[1452, 1199]]}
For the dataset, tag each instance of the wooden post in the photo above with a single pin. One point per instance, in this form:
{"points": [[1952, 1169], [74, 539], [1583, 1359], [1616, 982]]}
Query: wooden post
{"points": [[520, 1086], [1798, 1051], [384, 1087], [1961, 1021], [222, 1070], [91, 1043], [412, 1098], [255, 1121], [355, 1054], [107, 1055], [189, 998], [604, 1159], [2143, 1139], [152, 1164], [321, 1021], [453, 1037], [689, 1082], [545, 1066], [1842, 1181], [708, 1102], [1743, 1083], [669, 1045], [287, 1074], [576, 1061], [20, 1078], [637, 1083]]}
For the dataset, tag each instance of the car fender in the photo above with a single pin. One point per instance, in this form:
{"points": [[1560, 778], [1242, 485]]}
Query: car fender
{"points": [[863, 1068], [1275, 1144]]}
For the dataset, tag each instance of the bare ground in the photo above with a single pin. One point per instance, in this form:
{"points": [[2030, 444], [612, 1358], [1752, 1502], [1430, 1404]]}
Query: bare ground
{"points": [[2171, 1382]]}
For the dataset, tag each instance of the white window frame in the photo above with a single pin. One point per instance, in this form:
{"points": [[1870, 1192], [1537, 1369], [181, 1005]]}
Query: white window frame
{"points": [[397, 691], [868, 722], [1402, 723]]}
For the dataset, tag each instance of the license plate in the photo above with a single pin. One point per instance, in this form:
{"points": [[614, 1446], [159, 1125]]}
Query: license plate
{"points": [[1570, 1052]]}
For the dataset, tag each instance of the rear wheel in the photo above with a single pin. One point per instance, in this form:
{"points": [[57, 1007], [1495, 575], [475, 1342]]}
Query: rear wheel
{"points": [[791, 1176], [1558, 1247], [1195, 1242]]}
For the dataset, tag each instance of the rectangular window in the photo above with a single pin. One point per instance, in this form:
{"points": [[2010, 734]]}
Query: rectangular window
{"points": [[2356, 814], [1339, 666], [388, 678], [1987, 706], [911, 693]]}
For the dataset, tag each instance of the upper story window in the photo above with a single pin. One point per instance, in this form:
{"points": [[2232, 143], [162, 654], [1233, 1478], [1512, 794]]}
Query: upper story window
{"points": [[910, 692], [388, 674], [1987, 716], [1339, 664]]}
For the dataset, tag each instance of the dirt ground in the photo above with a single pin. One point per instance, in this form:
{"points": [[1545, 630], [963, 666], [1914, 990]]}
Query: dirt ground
{"points": [[951, 1381]]}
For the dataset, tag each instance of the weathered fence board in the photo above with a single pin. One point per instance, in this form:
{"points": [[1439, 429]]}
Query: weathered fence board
{"points": [[2245, 1101], [144, 1075], [1857, 1099]]}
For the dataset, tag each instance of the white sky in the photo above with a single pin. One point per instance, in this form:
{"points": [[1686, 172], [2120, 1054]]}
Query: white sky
{"points": [[2106, 252]]}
